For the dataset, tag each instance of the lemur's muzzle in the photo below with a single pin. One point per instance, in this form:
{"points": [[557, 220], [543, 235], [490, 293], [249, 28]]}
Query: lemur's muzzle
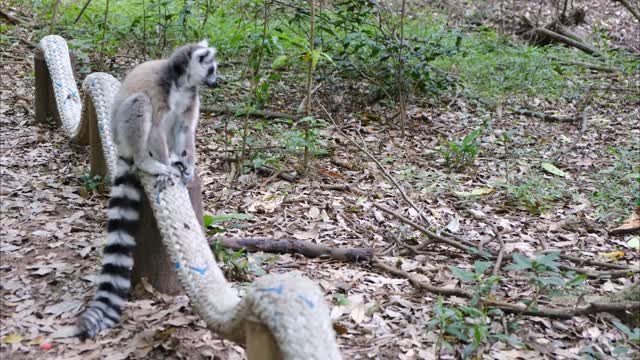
{"points": [[211, 81]]}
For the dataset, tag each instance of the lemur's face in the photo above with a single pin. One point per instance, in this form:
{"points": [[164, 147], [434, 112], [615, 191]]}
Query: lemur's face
{"points": [[203, 67]]}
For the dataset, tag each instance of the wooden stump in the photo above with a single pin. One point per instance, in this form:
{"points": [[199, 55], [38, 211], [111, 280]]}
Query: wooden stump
{"points": [[46, 109], [150, 257]]}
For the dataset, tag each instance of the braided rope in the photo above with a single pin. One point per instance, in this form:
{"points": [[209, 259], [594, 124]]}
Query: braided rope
{"points": [[289, 305]]}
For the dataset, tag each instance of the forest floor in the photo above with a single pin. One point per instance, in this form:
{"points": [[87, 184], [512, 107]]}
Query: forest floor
{"points": [[53, 226]]}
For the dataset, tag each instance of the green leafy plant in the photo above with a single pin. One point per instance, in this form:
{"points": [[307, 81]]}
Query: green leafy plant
{"points": [[480, 284], [536, 194], [617, 186], [460, 154], [632, 335], [92, 183], [235, 262], [295, 140], [545, 275], [210, 221], [465, 324]]}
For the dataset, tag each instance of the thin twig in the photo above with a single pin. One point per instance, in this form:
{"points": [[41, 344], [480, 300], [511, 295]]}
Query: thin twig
{"points": [[497, 236], [380, 167], [563, 313], [11, 18], [628, 6], [469, 247], [424, 230], [252, 112], [82, 11]]}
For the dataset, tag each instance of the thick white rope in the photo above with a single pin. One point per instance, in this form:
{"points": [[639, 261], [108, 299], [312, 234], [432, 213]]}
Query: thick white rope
{"points": [[289, 305]]}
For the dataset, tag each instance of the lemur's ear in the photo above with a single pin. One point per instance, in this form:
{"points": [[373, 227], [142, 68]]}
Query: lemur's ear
{"points": [[204, 43]]}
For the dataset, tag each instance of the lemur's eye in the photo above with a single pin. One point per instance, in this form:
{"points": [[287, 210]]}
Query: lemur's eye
{"points": [[211, 70], [150, 154], [184, 152], [204, 56]]}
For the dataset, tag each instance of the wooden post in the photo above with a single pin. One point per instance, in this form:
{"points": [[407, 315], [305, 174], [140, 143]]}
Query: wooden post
{"points": [[150, 257], [45, 99], [98, 163], [260, 343]]}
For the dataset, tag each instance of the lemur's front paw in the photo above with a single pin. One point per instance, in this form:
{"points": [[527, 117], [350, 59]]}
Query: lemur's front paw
{"points": [[164, 181], [186, 172]]}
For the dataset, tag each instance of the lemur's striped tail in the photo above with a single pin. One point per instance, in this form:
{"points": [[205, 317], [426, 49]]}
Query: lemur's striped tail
{"points": [[113, 282]]}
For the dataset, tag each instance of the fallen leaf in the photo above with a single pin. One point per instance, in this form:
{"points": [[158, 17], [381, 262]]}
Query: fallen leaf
{"points": [[611, 256], [313, 213], [309, 234], [268, 204], [552, 169], [69, 306], [358, 312], [454, 225], [634, 243], [475, 192], [12, 339]]}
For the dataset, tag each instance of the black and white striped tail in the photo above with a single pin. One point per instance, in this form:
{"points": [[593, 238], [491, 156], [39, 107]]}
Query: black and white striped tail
{"points": [[114, 278]]}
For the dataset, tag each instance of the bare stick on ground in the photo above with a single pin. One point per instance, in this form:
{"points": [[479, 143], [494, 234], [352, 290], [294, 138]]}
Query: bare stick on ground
{"points": [[293, 246], [566, 40]]}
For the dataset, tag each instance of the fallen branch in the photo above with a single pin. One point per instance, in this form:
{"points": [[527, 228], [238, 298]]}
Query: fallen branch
{"points": [[630, 225], [11, 18], [586, 65], [269, 171], [293, 246], [566, 40], [420, 284], [542, 115], [581, 261], [614, 274], [630, 8], [581, 114], [568, 313], [242, 112], [563, 313]]}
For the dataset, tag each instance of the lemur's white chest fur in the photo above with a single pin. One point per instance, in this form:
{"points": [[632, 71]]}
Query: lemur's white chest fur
{"points": [[181, 98]]}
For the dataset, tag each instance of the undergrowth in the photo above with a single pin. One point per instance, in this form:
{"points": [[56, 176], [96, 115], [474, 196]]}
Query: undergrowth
{"points": [[354, 38]]}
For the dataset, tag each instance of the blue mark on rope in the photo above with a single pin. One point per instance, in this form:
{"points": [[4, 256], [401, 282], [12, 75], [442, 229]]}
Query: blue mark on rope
{"points": [[158, 197], [200, 271], [177, 265], [309, 303], [276, 290], [58, 84]]}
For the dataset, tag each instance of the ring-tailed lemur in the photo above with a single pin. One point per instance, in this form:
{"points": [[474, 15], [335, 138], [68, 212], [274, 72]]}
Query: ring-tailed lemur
{"points": [[153, 123]]}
